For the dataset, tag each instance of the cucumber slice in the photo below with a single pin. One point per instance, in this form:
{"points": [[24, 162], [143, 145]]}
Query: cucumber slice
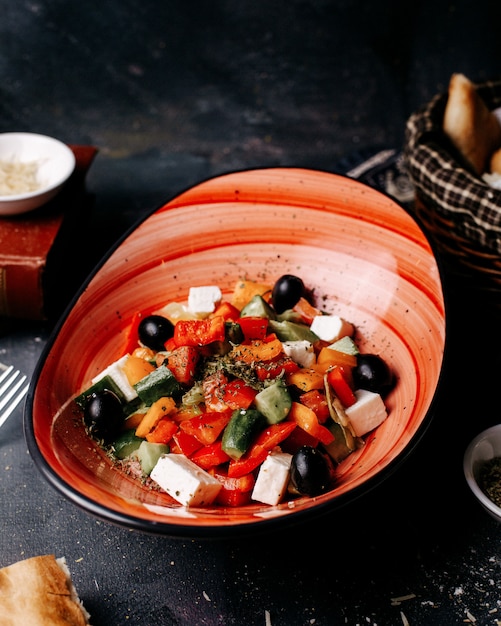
{"points": [[126, 444], [346, 345], [258, 307], [274, 402], [292, 331], [148, 454], [104, 383], [161, 382], [241, 431], [343, 445]]}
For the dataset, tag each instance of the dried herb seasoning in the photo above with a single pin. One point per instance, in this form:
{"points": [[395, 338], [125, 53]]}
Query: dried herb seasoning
{"points": [[490, 479]]}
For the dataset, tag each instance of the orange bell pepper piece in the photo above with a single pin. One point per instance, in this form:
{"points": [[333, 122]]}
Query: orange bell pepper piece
{"points": [[306, 419], [330, 357], [163, 431], [257, 351], [136, 368], [306, 379], [163, 406], [306, 310], [245, 290]]}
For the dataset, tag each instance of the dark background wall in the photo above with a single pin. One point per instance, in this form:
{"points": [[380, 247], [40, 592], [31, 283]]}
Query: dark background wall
{"points": [[176, 92], [172, 92]]}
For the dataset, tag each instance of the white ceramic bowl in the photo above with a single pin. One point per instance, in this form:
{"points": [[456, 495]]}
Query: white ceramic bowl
{"points": [[484, 447], [55, 164]]}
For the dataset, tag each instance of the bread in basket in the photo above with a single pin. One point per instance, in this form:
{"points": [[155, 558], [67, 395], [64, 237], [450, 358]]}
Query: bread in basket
{"points": [[459, 209]]}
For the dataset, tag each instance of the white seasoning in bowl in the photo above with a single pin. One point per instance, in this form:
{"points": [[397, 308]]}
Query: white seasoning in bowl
{"points": [[17, 178]]}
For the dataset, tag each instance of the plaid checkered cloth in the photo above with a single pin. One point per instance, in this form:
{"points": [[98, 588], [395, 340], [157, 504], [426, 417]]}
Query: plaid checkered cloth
{"points": [[445, 183]]}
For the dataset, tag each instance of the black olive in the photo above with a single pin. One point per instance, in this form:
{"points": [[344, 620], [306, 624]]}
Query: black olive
{"points": [[154, 331], [372, 373], [310, 472], [103, 415], [286, 292]]}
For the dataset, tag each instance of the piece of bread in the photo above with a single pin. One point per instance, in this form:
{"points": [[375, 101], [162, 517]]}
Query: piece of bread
{"points": [[495, 162], [39, 592], [473, 129]]}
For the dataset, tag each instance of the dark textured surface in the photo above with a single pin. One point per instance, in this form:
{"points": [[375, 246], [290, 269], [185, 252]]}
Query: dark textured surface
{"points": [[173, 93]]}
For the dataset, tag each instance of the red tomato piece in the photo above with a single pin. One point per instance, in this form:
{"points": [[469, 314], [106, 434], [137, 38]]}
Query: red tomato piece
{"points": [[209, 456], [182, 362], [307, 311], [199, 332], [341, 387], [237, 394], [316, 400], [132, 342], [227, 311], [233, 497], [271, 337], [272, 369], [235, 491], [170, 345], [206, 427], [247, 463], [186, 444], [297, 439], [274, 434], [163, 431], [270, 437], [213, 388], [253, 327]]}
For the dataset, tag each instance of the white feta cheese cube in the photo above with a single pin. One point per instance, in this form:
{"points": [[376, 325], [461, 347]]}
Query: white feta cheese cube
{"points": [[301, 352], [273, 478], [331, 327], [116, 373], [203, 300], [185, 481], [368, 412]]}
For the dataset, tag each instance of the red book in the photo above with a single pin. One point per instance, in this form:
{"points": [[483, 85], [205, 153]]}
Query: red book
{"points": [[32, 243]]}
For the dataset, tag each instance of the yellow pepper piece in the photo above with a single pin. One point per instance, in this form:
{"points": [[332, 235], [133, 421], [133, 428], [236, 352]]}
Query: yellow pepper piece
{"points": [[163, 406]]}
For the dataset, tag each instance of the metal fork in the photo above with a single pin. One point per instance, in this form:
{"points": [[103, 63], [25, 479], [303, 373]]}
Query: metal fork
{"points": [[12, 391]]}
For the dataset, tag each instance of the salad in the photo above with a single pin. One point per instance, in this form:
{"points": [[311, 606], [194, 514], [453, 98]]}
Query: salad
{"points": [[255, 397]]}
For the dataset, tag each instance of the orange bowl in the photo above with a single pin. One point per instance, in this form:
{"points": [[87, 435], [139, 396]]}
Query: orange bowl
{"points": [[365, 258]]}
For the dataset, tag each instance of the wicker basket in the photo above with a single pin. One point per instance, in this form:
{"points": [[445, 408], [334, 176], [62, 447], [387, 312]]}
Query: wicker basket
{"points": [[461, 212]]}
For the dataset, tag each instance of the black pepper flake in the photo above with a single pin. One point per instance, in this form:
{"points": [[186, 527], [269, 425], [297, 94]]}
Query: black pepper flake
{"points": [[490, 480]]}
